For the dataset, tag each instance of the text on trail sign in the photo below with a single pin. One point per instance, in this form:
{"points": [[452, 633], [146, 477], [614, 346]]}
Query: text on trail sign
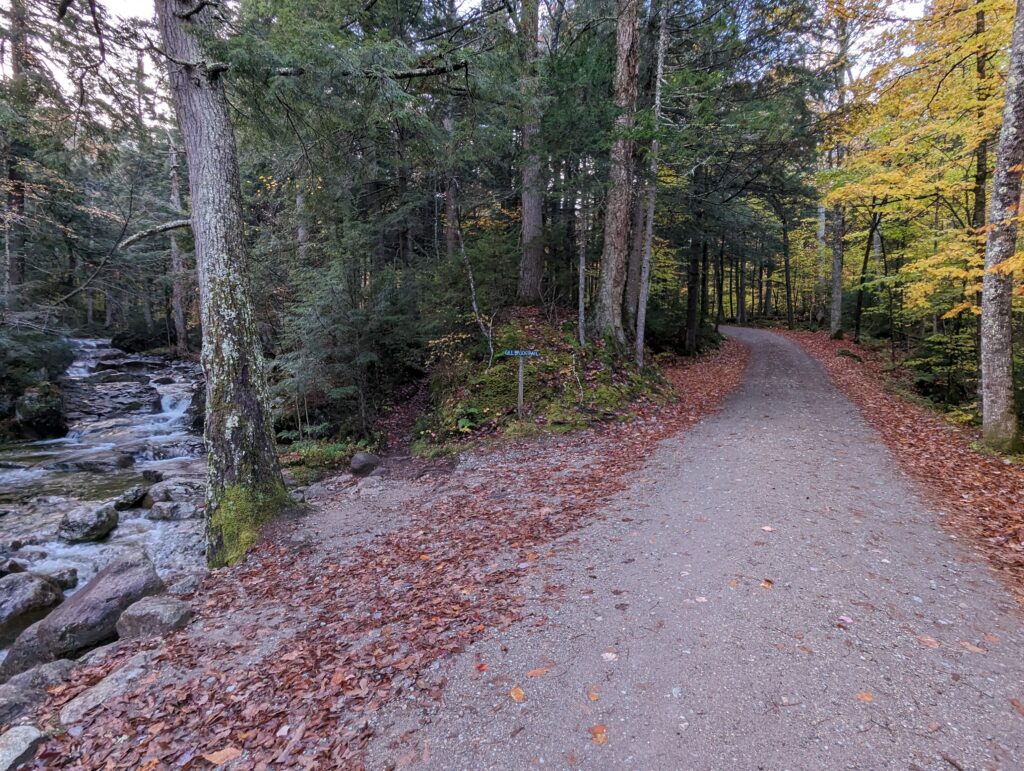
{"points": [[516, 352]]}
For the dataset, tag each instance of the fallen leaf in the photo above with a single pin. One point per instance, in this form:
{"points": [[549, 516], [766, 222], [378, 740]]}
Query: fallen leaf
{"points": [[933, 726], [225, 755], [865, 696], [734, 583], [1017, 706], [592, 694], [805, 649], [972, 647], [928, 642], [599, 733], [992, 638], [518, 695], [481, 667], [538, 672], [767, 584]]}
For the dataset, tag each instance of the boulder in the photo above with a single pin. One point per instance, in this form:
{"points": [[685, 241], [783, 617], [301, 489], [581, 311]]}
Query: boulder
{"points": [[23, 692], [39, 413], [65, 578], [12, 566], [177, 490], [130, 498], [364, 463], [187, 584], [18, 745], [88, 523], [24, 597], [107, 689], [86, 619], [153, 617], [171, 510]]}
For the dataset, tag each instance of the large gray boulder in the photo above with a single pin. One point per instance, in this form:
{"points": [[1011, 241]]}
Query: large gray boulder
{"points": [[153, 616], [23, 692], [88, 618], [130, 498], [88, 523], [24, 597], [364, 463], [18, 745], [177, 490], [173, 510]]}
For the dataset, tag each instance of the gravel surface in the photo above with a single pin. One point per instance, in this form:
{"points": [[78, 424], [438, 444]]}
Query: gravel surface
{"points": [[769, 593]]}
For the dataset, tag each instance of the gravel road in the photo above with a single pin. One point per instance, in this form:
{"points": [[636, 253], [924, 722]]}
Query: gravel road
{"points": [[769, 593]]}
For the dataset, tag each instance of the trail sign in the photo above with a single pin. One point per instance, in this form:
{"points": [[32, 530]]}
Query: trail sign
{"points": [[522, 355]]}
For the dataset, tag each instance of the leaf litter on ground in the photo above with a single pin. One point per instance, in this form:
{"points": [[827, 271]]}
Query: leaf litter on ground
{"points": [[291, 638]]}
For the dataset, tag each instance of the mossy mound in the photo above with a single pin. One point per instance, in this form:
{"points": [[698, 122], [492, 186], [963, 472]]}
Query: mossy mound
{"points": [[567, 387]]}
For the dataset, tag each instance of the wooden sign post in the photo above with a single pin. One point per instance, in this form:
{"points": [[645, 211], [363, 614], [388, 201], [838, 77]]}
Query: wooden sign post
{"points": [[522, 355]]}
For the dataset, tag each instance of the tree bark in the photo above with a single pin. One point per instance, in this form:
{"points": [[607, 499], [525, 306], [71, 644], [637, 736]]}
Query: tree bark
{"points": [[531, 266], [838, 231], [720, 284], [693, 295], [786, 267], [652, 193], [245, 486], [178, 276], [868, 246], [608, 311], [634, 264], [999, 414]]}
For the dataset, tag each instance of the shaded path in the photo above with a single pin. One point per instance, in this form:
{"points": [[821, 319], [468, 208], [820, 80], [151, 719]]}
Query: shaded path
{"points": [[875, 642]]}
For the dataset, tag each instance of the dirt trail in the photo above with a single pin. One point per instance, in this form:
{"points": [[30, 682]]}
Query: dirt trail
{"points": [[768, 593]]}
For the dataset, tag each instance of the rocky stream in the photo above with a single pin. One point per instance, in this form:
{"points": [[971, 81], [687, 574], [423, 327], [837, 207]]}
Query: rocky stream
{"points": [[93, 522]]}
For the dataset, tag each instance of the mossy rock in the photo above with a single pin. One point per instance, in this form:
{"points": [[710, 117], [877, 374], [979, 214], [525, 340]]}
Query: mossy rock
{"points": [[39, 413]]}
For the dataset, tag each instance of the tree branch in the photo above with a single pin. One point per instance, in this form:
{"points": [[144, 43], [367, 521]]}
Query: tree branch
{"points": [[155, 231]]}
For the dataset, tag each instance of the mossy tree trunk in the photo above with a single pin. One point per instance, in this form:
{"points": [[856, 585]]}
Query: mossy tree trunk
{"points": [[245, 486]]}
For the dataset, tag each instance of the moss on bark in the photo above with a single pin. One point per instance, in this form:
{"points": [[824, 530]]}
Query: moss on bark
{"points": [[236, 519]]}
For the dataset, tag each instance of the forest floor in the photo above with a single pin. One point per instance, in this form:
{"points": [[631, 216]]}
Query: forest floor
{"points": [[763, 589]]}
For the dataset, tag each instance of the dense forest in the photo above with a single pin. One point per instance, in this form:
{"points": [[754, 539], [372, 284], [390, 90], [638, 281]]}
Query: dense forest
{"points": [[511, 383], [338, 202]]}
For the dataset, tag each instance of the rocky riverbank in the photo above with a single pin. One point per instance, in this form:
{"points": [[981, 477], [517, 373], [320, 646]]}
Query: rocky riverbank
{"points": [[101, 528]]}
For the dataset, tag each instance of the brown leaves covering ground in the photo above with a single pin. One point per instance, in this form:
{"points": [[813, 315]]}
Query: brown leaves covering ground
{"points": [[982, 495], [298, 650]]}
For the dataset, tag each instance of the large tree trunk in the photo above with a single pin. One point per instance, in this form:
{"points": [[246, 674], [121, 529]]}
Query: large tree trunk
{"points": [[608, 313], [531, 267], [245, 487], [999, 413], [178, 275]]}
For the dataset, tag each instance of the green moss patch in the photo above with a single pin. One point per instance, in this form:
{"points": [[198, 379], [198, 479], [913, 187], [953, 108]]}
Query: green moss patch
{"points": [[235, 522]]}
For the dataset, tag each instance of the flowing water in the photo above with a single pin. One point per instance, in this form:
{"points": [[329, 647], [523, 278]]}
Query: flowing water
{"points": [[129, 424]]}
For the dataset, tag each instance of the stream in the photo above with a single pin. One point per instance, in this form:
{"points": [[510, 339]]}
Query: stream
{"points": [[129, 424]]}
